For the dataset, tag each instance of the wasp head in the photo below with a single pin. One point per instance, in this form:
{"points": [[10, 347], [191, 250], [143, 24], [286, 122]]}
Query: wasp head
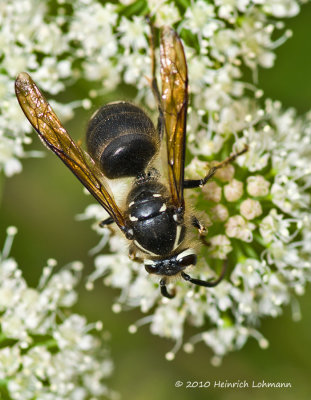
{"points": [[171, 265]]}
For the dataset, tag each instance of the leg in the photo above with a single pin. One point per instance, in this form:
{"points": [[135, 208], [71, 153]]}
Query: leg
{"points": [[133, 256], [197, 224], [194, 183], [164, 291], [201, 228], [106, 222], [199, 282]]}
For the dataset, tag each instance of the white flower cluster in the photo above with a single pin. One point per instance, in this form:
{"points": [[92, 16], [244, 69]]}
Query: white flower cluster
{"points": [[46, 352], [28, 43], [59, 45], [256, 210], [107, 43]]}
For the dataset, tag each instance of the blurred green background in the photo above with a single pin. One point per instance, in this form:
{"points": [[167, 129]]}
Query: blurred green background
{"points": [[43, 202]]}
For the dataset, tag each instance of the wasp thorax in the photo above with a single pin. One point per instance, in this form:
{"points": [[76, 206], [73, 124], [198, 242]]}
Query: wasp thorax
{"points": [[122, 139], [151, 217]]}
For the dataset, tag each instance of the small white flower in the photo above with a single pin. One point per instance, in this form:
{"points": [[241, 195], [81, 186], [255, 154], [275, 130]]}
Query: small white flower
{"points": [[257, 186], [165, 12], [286, 194], [120, 276], [233, 191], [220, 246], [200, 18], [224, 42], [274, 226], [222, 340], [212, 192], [138, 290], [250, 209], [168, 322], [219, 213], [196, 169], [238, 227], [133, 33], [226, 173], [281, 9], [9, 150], [10, 359], [273, 295], [250, 272]]}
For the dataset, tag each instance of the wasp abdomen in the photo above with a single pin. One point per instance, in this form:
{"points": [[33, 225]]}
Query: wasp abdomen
{"points": [[122, 139]]}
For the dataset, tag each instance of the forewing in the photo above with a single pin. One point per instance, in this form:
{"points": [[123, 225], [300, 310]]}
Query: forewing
{"points": [[174, 104], [53, 134]]}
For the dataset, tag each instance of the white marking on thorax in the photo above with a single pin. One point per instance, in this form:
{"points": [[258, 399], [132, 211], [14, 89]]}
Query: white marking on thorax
{"points": [[133, 218], [163, 208], [143, 249], [156, 195], [178, 232], [131, 203]]}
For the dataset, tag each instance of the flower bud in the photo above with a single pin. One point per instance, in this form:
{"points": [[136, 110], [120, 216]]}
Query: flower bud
{"points": [[219, 213], [234, 190], [220, 246], [239, 228], [212, 192], [226, 173], [250, 208], [257, 186]]}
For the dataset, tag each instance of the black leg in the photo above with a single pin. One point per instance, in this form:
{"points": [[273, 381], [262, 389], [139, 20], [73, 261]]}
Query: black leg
{"points": [[106, 222], [201, 228], [197, 224], [164, 291], [194, 183], [199, 282]]}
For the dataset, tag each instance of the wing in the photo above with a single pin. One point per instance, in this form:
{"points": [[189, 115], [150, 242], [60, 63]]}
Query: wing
{"points": [[174, 104], [55, 137]]}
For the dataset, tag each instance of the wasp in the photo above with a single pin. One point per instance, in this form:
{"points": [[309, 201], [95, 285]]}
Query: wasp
{"points": [[122, 141]]}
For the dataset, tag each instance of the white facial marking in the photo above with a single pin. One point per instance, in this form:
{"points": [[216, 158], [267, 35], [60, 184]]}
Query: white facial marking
{"points": [[156, 195], [149, 262], [175, 217], [133, 218], [131, 203], [163, 208], [185, 253]]}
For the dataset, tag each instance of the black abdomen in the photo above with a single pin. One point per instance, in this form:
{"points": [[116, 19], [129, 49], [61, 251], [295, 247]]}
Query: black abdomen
{"points": [[122, 139]]}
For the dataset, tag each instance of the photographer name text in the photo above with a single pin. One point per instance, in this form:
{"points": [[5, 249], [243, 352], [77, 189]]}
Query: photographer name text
{"points": [[239, 384]]}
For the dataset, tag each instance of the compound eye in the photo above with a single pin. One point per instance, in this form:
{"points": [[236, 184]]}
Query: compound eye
{"points": [[190, 259]]}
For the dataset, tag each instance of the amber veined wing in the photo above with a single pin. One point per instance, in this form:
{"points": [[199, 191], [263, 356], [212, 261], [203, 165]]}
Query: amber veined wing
{"points": [[174, 101], [55, 137]]}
